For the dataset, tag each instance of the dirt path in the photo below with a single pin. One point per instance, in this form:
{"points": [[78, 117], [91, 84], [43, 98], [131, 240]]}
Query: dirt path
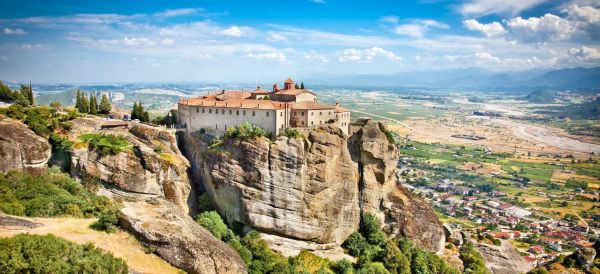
{"points": [[121, 244]]}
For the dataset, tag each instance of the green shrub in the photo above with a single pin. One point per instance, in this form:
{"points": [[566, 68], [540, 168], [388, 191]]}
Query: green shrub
{"points": [[472, 259], [26, 253], [211, 220], [307, 262], [373, 268], [245, 131], [205, 203], [388, 134], [293, 133], [105, 144], [107, 221], [50, 194]]}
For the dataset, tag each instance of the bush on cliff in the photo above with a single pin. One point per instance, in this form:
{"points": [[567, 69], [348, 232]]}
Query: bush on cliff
{"points": [[245, 131], [26, 253], [292, 133], [472, 259], [105, 144], [375, 249], [50, 194]]}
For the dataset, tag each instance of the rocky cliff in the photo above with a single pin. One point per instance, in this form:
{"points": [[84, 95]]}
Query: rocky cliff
{"points": [[21, 149], [151, 180], [153, 165], [312, 189]]}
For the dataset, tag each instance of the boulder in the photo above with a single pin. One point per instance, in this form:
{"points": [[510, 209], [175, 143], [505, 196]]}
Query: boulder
{"points": [[21, 149], [173, 235], [503, 259]]}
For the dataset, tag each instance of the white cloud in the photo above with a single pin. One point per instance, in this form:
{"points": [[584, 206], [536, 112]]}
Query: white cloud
{"points": [[178, 12], [167, 42], [391, 19], [13, 31], [486, 7], [270, 56], [540, 29], [233, 31], [489, 30], [584, 54], [418, 27], [313, 56], [365, 55], [276, 37]]}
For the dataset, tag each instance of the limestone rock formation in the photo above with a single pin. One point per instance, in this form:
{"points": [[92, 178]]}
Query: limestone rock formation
{"points": [[585, 256], [312, 189], [503, 259], [21, 149], [175, 237], [153, 165]]}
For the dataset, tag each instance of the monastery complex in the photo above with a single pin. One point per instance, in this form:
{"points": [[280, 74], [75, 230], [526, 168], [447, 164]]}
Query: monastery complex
{"points": [[273, 110]]}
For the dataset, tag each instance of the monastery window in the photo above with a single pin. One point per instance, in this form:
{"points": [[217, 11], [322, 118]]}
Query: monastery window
{"points": [[202, 110], [230, 112], [329, 112], [312, 122], [223, 111], [197, 110], [244, 113], [302, 122], [253, 113], [312, 113], [320, 113], [210, 110], [281, 114], [216, 126], [237, 112], [267, 114], [302, 113]]}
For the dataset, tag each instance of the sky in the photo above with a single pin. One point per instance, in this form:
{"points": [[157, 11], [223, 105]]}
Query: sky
{"points": [[118, 41]]}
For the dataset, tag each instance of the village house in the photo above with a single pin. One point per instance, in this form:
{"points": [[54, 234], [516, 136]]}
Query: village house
{"points": [[273, 110]]}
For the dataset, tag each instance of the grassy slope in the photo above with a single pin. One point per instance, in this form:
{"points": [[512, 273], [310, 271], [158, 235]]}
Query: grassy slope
{"points": [[121, 244]]}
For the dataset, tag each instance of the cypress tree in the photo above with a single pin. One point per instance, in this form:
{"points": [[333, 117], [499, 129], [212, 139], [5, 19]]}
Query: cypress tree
{"points": [[93, 104], [85, 104], [296, 86], [26, 93], [105, 106], [30, 94], [78, 101], [302, 85], [145, 117]]}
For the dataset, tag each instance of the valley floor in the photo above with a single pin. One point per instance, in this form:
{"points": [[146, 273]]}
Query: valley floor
{"points": [[120, 244]]}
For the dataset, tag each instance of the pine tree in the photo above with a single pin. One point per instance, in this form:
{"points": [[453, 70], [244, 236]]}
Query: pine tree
{"points": [[78, 101], [145, 117], [302, 85], [105, 106], [85, 104], [93, 104], [27, 94], [296, 86]]}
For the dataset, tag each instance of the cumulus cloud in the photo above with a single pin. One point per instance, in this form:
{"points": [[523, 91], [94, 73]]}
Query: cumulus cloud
{"points": [[489, 30], [233, 31], [418, 27], [269, 56], [365, 55], [584, 54], [540, 29], [13, 31], [486, 7], [178, 12]]}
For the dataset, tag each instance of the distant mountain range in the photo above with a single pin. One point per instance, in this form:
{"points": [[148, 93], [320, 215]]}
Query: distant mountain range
{"points": [[561, 79]]}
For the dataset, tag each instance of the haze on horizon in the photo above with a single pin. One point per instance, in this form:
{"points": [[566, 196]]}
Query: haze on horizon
{"points": [[214, 41]]}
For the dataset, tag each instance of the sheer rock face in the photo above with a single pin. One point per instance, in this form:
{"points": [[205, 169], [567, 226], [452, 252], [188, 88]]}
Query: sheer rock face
{"points": [[176, 238], [21, 149], [314, 188], [153, 165]]}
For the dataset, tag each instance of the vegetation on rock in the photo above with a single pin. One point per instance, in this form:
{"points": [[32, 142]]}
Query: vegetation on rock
{"points": [[48, 195], [25, 253], [105, 144]]}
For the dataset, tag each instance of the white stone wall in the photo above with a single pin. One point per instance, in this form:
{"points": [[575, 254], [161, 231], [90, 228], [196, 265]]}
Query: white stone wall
{"points": [[343, 120], [216, 120]]}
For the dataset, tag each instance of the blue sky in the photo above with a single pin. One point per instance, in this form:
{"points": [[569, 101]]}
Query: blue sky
{"points": [[244, 41]]}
